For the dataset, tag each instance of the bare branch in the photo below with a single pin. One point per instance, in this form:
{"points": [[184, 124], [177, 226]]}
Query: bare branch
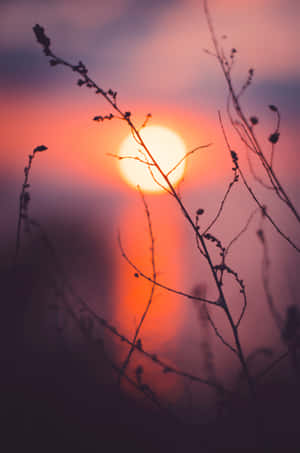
{"points": [[188, 154], [138, 329], [221, 205], [141, 274], [243, 230], [24, 200], [272, 365], [261, 206], [219, 335], [117, 156]]}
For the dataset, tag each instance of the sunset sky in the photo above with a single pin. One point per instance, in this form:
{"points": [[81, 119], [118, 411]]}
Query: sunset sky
{"points": [[152, 54]]}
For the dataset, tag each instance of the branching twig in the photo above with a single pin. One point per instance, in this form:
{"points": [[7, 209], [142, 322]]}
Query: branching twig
{"points": [[260, 205], [110, 97], [250, 138], [87, 334], [139, 273], [243, 230], [84, 307], [117, 156], [188, 154], [271, 366], [153, 286], [221, 205], [220, 336], [24, 201]]}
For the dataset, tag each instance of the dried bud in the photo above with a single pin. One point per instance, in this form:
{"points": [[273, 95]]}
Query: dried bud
{"points": [[261, 236], [41, 37], [39, 149], [234, 156], [139, 344], [273, 108], [139, 370], [254, 120], [274, 137]]}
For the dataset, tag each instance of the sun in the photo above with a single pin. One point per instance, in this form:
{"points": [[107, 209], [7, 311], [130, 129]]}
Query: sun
{"points": [[167, 148]]}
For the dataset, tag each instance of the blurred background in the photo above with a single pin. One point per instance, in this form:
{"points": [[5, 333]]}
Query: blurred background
{"points": [[152, 53]]}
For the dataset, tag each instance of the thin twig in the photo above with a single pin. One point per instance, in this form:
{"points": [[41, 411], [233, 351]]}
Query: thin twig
{"points": [[271, 366], [167, 288], [188, 154], [245, 124], [265, 272], [87, 333], [24, 200], [110, 97], [153, 286], [219, 335], [243, 230], [221, 206], [117, 156], [261, 206], [105, 324]]}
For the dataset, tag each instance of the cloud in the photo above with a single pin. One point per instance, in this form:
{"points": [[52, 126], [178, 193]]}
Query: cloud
{"points": [[152, 49], [65, 17]]}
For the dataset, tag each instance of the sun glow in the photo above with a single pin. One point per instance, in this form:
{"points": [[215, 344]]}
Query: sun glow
{"points": [[167, 148]]}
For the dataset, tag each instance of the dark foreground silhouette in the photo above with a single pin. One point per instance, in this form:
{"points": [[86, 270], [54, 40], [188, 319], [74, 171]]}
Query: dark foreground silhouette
{"points": [[59, 398]]}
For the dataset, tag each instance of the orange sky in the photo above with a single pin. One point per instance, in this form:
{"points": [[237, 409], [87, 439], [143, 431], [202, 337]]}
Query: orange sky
{"points": [[152, 53]]}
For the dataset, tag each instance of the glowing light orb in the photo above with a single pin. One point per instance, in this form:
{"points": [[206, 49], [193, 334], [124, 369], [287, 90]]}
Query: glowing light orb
{"points": [[167, 148]]}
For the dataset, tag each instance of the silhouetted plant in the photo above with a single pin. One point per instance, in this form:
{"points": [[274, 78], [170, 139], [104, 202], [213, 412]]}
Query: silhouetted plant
{"points": [[245, 128], [90, 323]]}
